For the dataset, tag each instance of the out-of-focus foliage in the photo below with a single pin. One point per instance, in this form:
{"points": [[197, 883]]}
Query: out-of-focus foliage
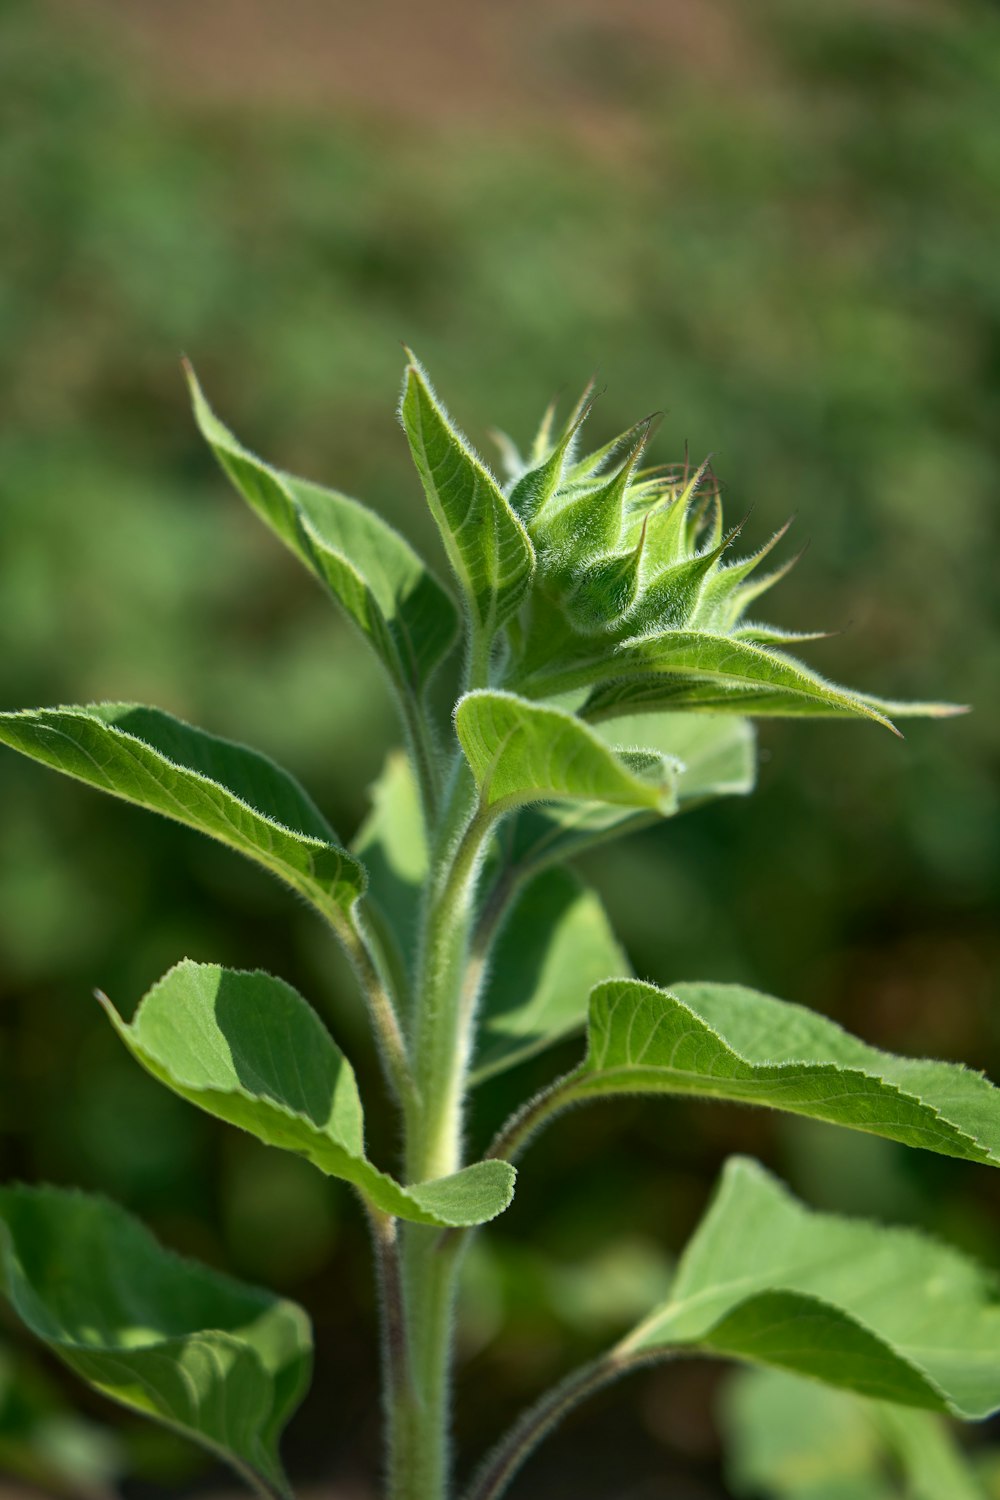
{"points": [[803, 263], [793, 1439], [43, 1442]]}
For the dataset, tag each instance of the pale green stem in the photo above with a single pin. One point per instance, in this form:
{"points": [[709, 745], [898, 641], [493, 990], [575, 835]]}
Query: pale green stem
{"points": [[420, 1419], [477, 674], [420, 1416], [441, 1041]]}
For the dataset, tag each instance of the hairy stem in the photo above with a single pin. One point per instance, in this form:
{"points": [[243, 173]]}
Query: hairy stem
{"points": [[420, 1419], [388, 1033], [539, 1420], [397, 1380], [423, 756], [441, 1040], [420, 1445], [512, 1137]]}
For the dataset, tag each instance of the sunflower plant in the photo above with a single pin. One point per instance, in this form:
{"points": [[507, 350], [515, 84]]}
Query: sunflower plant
{"points": [[612, 660]]}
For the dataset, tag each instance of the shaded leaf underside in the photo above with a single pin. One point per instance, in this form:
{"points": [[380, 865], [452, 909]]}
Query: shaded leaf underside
{"points": [[222, 1363], [372, 572], [231, 793]]}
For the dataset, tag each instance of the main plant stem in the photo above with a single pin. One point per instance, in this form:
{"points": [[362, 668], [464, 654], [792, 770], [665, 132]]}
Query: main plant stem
{"points": [[419, 1411]]}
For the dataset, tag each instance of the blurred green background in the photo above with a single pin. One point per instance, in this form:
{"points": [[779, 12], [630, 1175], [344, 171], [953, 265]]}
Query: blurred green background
{"points": [[779, 222]]}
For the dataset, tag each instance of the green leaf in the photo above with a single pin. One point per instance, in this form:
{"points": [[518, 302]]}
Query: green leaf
{"points": [[486, 543], [522, 752], [793, 1439], [392, 843], [718, 673], [931, 1460], [220, 1362], [722, 1041], [232, 793], [716, 757], [372, 572], [248, 1049], [555, 945], [887, 1313]]}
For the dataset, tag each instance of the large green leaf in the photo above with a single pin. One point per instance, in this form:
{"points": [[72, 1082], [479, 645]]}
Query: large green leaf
{"points": [[885, 1312], [522, 752], [716, 757], [221, 1362], [725, 1042], [555, 945], [248, 1049], [225, 790], [376, 576], [486, 543], [794, 1439]]}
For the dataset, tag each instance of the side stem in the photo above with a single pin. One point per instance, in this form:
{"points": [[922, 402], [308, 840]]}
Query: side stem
{"points": [[539, 1420]]}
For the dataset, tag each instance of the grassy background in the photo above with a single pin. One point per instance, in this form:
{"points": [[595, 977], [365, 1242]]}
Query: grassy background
{"points": [[779, 223]]}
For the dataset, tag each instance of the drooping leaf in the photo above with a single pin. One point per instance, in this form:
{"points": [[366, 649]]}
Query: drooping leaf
{"points": [[722, 1041], [248, 1049], [885, 1312], [220, 1362], [522, 752], [794, 1439], [486, 543], [555, 945], [226, 790], [716, 757], [717, 754], [698, 670], [392, 843], [372, 572]]}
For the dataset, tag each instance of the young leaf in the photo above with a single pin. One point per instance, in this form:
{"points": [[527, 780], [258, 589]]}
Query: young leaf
{"points": [[696, 669], [884, 1312], [555, 945], [716, 757], [522, 752], [372, 572], [220, 1362], [226, 790], [793, 1439], [248, 1049], [722, 1041], [486, 543]]}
